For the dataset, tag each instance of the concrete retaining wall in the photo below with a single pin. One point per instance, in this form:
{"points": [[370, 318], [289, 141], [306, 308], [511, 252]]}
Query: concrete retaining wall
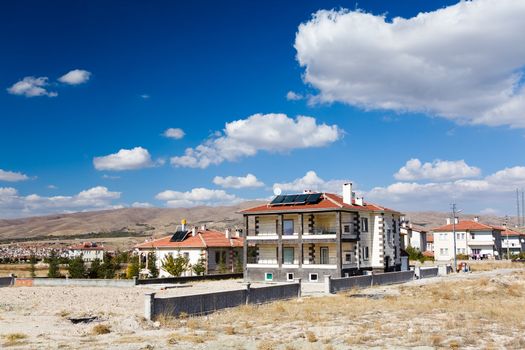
{"points": [[426, 272], [184, 279], [338, 284], [334, 285], [392, 277], [6, 281], [200, 304], [55, 282]]}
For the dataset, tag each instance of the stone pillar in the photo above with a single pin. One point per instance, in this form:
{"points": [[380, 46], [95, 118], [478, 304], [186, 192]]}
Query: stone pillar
{"points": [[300, 240], [338, 245], [327, 284], [298, 280], [149, 306], [248, 286], [245, 250], [280, 241]]}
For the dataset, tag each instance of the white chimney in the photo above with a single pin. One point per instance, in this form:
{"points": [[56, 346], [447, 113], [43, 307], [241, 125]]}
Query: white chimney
{"points": [[476, 218], [203, 227], [456, 220], [448, 221], [307, 191], [238, 233], [359, 201], [347, 193], [194, 231], [227, 233]]}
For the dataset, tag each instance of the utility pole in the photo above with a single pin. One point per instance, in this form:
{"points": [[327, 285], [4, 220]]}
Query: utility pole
{"points": [[454, 234], [522, 208], [507, 232], [518, 207]]}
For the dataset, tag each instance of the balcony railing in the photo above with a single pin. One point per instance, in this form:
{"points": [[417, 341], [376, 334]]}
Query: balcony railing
{"points": [[331, 230]]}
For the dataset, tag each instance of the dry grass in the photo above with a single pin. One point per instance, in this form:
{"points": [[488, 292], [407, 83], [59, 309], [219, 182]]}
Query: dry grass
{"points": [[100, 329], [194, 338], [493, 265], [492, 307], [14, 339]]}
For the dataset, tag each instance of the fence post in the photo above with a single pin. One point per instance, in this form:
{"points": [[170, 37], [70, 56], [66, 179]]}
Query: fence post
{"points": [[135, 280], [248, 287], [149, 306], [327, 284], [299, 289]]}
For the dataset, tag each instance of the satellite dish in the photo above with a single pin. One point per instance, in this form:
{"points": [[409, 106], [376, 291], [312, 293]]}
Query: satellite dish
{"points": [[277, 191]]}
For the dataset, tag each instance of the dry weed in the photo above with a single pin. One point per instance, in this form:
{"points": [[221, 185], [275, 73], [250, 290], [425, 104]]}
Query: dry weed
{"points": [[310, 336], [100, 329]]}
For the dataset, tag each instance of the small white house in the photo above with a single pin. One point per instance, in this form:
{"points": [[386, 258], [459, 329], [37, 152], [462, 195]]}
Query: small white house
{"points": [[89, 251], [216, 249], [413, 236], [512, 242], [477, 240]]}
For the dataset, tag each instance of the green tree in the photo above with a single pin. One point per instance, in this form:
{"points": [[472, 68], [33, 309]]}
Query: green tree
{"points": [[109, 267], [200, 267], [133, 267], [238, 264], [95, 270], [54, 266], [175, 266], [32, 268], [152, 265], [222, 265], [76, 267]]}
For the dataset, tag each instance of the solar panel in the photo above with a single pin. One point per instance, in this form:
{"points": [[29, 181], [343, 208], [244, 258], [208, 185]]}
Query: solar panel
{"points": [[178, 236], [289, 199], [301, 198], [278, 200], [313, 198]]}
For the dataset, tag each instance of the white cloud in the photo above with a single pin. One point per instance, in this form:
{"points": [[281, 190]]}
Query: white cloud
{"points": [[125, 159], [437, 170], [141, 205], [75, 77], [293, 96], [489, 211], [463, 62], [12, 176], [259, 132], [13, 204], [249, 180], [311, 181], [110, 177], [52, 187], [196, 197], [31, 87], [145, 96], [495, 189], [174, 133]]}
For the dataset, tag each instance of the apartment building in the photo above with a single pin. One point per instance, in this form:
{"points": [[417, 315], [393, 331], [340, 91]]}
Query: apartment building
{"points": [[413, 236], [312, 235], [477, 240]]}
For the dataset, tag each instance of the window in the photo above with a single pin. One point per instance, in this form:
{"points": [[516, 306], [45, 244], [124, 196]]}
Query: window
{"points": [[268, 276], [457, 235], [346, 228], [348, 256], [220, 257], [289, 277], [472, 235], [364, 224], [443, 251], [313, 277], [365, 253], [462, 235], [186, 255], [288, 227], [288, 255], [442, 236], [389, 235], [324, 255]]}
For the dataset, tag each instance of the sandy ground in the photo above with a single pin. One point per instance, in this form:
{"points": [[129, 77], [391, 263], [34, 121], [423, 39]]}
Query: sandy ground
{"points": [[39, 315]]}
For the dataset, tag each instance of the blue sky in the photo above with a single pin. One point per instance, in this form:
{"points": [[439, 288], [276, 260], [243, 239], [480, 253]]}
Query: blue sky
{"points": [[381, 92]]}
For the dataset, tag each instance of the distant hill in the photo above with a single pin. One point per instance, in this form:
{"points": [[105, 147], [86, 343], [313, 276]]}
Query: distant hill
{"points": [[150, 221], [159, 221]]}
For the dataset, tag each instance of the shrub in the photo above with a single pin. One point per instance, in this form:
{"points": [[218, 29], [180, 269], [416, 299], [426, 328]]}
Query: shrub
{"points": [[95, 270], [76, 267], [133, 267], [152, 265], [175, 266], [54, 268], [200, 267], [100, 329]]}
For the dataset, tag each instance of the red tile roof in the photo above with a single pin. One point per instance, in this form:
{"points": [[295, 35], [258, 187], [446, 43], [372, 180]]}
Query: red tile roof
{"points": [[203, 239], [329, 201], [465, 226], [508, 231], [430, 237], [87, 246]]}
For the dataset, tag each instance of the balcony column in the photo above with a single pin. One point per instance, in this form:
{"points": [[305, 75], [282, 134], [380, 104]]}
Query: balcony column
{"points": [[245, 249], [300, 240], [280, 231], [338, 245]]}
